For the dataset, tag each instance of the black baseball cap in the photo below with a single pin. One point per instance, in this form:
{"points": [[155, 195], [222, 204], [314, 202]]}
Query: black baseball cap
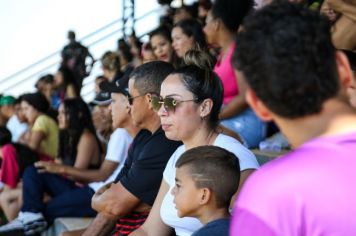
{"points": [[114, 87], [103, 98]]}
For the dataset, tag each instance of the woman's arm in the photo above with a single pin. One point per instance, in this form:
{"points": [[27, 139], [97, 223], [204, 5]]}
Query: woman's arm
{"points": [[237, 104], [35, 140], [154, 225], [80, 175]]}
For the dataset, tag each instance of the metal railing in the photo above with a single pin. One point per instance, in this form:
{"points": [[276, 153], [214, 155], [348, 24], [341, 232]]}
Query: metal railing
{"points": [[31, 73]]}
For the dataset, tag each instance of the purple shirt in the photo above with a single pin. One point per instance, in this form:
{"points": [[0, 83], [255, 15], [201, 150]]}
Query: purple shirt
{"points": [[310, 191]]}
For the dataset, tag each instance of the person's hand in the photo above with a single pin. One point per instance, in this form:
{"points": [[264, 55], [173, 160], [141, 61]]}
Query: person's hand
{"points": [[50, 167]]}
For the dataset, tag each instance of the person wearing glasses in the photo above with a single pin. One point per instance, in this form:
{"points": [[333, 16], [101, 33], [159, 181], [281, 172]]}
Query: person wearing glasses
{"points": [[128, 200], [189, 106]]}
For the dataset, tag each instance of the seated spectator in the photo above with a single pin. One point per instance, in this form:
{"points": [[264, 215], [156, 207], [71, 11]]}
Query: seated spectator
{"points": [[161, 43], [8, 111], [46, 86], [147, 53], [79, 148], [44, 129], [98, 80], [111, 66], [102, 118], [78, 145], [128, 200], [14, 159], [221, 27], [199, 191], [342, 14], [188, 105], [186, 35], [310, 190], [22, 119], [65, 84]]}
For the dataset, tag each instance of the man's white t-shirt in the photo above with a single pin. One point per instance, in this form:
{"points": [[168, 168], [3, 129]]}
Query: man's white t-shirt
{"points": [[118, 146]]}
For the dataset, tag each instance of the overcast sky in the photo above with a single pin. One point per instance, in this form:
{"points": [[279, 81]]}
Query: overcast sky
{"points": [[31, 30]]}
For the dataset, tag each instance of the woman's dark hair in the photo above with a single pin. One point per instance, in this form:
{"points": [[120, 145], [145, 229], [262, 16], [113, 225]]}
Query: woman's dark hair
{"points": [[231, 12], [198, 77], [192, 28], [69, 78], [37, 100], [24, 155], [78, 118], [40, 103]]}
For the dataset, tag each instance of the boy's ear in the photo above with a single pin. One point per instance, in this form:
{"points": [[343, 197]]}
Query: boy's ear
{"points": [[205, 196], [257, 105], [345, 73]]}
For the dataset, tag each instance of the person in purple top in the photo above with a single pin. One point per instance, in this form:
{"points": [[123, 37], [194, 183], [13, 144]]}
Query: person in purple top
{"points": [[297, 79]]}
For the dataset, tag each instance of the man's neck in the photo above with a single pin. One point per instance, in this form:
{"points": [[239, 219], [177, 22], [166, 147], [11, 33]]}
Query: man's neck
{"points": [[152, 123], [336, 118]]}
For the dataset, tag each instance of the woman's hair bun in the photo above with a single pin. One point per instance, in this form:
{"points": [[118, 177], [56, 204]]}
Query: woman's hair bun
{"points": [[199, 58]]}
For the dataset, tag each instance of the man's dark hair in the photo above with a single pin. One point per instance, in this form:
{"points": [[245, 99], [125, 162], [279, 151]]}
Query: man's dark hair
{"points": [[231, 12], [286, 55], [214, 168], [149, 76]]}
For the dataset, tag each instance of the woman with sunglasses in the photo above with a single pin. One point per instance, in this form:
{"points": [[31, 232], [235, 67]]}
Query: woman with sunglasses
{"points": [[189, 106]]}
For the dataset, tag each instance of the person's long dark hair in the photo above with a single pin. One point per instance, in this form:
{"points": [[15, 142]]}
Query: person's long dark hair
{"points": [[25, 156], [78, 119]]}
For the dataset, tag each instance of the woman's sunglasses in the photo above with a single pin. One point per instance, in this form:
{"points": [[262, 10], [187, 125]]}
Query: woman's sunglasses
{"points": [[168, 103]]}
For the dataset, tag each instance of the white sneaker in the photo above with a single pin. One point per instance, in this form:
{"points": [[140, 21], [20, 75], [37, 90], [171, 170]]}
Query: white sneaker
{"points": [[15, 227]]}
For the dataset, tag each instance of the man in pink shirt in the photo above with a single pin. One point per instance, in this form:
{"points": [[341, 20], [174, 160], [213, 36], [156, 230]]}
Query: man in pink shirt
{"points": [[297, 79]]}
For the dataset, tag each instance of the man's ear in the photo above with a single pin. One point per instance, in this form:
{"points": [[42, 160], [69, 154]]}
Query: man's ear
{"points": [[258, 106], [344, 71]]}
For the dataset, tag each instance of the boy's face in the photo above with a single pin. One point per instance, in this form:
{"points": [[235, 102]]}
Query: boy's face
{"points": [[186, 194]]}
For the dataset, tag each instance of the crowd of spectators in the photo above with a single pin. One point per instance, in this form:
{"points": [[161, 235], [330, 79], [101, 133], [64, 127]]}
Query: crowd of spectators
{"points": [[168, 144]]}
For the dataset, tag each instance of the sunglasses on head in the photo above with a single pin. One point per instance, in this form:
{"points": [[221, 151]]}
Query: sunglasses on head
{"points": [[168, 103]]}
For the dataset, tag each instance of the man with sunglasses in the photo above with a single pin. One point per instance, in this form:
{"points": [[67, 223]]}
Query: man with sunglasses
{"points": [[128, 201]]}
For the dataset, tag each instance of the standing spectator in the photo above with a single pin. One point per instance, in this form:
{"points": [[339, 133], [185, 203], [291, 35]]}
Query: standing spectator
{"points": [[74, 56], [309, 191], [7, 110]]}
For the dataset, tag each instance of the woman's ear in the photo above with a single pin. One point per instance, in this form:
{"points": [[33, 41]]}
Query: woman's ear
{"points": [[205, 107]]}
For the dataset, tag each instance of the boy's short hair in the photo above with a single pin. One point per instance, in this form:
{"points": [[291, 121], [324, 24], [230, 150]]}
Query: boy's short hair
{"points": [[214, 168], [286, 56]]}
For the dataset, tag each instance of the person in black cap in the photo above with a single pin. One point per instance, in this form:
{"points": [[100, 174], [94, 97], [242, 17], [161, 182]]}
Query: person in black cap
{"points": [[102, 117]]}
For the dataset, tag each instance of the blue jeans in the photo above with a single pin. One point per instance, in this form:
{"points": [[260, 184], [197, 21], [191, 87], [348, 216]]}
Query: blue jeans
{"points": [[67, 199], [248, 126]]}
